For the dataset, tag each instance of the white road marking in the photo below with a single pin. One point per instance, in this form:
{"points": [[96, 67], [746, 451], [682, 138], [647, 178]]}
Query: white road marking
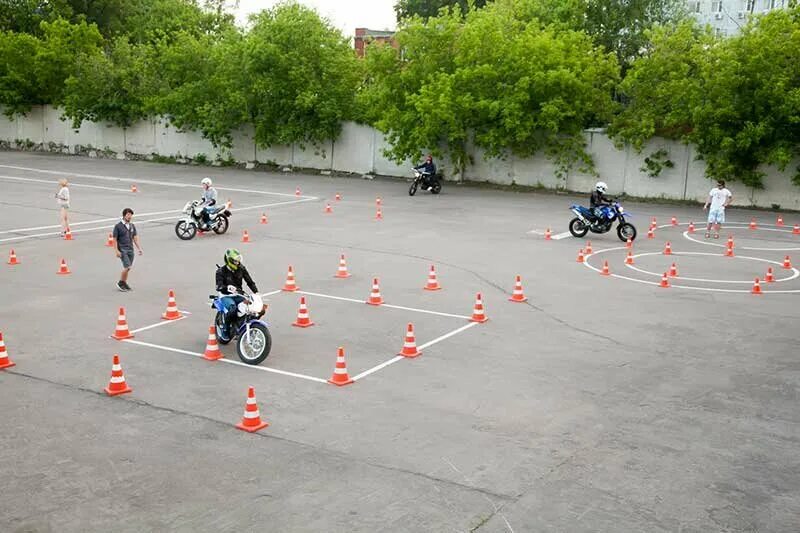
{"points": [[384, 305], [157, 324], [795, 272], [71, 184], [560, 236]]}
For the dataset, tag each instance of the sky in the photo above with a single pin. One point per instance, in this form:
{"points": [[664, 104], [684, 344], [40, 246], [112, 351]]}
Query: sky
{"points": [[347, 15]]}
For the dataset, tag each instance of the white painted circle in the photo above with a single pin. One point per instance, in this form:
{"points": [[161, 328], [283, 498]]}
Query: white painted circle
{"points": [[740, 225], [795, 272]]}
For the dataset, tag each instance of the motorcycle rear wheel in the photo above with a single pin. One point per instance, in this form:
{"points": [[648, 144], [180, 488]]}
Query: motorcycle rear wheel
{"points": [[255, 349], [437, 187], [578, 228], [222, 225]]}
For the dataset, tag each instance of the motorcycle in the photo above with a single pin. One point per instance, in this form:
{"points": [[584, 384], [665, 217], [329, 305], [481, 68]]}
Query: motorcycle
{"points": [[192, 222], [586, 221], [251, 333], [431, 182]]}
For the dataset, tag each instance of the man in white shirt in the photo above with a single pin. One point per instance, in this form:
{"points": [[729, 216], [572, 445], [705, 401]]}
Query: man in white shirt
{"points": [[719, 198]]}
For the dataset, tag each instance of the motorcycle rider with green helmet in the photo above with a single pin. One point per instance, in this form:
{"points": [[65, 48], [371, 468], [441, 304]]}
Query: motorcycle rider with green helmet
{"points": [[229, 279]]}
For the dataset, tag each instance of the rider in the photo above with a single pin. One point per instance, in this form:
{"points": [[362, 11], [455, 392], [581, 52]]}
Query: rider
{"points": [[229, 282], [209, 200], [598, 199], [428, 169]]}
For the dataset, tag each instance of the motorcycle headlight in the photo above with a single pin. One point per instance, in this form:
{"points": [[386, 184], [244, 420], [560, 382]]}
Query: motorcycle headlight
{"points": [[621, 209]]}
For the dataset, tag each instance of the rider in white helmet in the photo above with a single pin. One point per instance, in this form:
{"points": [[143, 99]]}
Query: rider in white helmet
{"points": [[209, 198], [598, 198]]}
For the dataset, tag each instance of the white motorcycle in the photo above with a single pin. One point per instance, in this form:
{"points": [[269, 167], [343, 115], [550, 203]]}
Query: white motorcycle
{"points": [[192, 222]]}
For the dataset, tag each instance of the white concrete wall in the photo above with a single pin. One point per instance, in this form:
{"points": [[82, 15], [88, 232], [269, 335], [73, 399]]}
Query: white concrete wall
{"points": [[359, 149]]}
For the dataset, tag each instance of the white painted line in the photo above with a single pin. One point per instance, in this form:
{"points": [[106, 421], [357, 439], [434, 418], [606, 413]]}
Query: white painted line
{"points": [[420, 347], [265, 294], [789, 249], [85, 222], [157, 324], [795, 272], [229, 361], [560, 236], [384, 305], [51, 183]]}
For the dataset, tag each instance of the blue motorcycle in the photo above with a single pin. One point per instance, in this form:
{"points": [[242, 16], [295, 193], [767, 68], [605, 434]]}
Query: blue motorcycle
{"points": [[253, 339], [585, 221]]}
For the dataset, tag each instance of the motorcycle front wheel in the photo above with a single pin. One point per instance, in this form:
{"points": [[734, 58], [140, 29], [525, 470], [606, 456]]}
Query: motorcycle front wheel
{"points": [[254, 346], [578, 228], [185, 230], [413, 189], [626, 231], [222, 225]]}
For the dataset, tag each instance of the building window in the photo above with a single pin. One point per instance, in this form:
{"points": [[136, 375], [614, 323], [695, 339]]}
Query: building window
{"points": [[716, 7], [694, 6], [751, 4]]}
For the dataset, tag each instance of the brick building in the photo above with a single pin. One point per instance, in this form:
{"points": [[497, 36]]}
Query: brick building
{"points": [[365, 36]]}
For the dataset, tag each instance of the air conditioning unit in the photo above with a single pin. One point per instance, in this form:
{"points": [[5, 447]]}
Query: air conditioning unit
{"points": [[718, 16]]}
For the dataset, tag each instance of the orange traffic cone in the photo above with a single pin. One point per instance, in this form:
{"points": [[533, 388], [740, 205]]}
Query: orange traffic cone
{"points": [[5, 361], [110, 241], [691, 227], [433, 283], [629, 259], [674, 221], [410, 345], [340, 376], [651, 234], [756, 287], [133, 188], [68, 235], [264, 218], [667, 249], [251, 421], [378, 214], [787, 263], [245, 236], [729, 249], [664, 281], [753, 224], [796, 229], [338, 197], [375, 295], [342, 271], [730, 241], [297, 191], [478, 314], [121, 332], [172, 312], [117, 384], [769, 278], [12, 258], [673, 271], [290, 285], [547, 235], [653, 222], [779, 221], [588, 249], [518, 295], [629, 243], [303, 321], [212, 352], [328, 209], [63, 269], [580, 258], [605, 271]]}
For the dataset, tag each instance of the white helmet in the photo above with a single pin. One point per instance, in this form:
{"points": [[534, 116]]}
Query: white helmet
{"points": [[601, 186], [206, 181]]}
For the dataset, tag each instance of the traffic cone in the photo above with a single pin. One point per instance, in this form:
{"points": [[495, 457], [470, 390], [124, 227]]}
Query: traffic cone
{"points": [[410, 345], [756, 287], [12, 258], [651, 234], [290, 285], [588, 249], [378, 201], [212, 352], [264, 218], [297, 191], [729, 250], [433, 283], [63, 269], [673, 271], [518, 295], [117, 384], [5, 361], [787, 263], [245, 236], [629, 259], [68, 235], [478, 314], [796, 229], [691, 227], [753, 224], [303, 321], [547, 235], [779, 221], [342, 272], [769, 278], [378, 214], [340, 376], [664, 281], [667, 249], [121, 332], [605, 271], [730, 241], [110, 241], [251, 421], [375, 295], [338, 197], [328, 209], [674, 221], [580, 258], [172, 312], [629, 244], [653, 222], [133, 188]]}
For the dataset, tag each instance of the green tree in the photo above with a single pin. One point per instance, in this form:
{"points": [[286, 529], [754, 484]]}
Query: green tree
{"points": [[405, 9], [25, 16]]}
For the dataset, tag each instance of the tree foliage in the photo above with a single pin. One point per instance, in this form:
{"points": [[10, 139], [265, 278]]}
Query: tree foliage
{"points": [[425, 9]]}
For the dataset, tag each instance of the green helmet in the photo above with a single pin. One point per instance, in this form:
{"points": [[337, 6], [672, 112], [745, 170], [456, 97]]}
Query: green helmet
{"points": [[233, 258]]}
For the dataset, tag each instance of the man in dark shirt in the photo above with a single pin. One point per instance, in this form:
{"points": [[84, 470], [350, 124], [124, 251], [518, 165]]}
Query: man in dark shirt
{"points": [[125, 237], [229, 279]]}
